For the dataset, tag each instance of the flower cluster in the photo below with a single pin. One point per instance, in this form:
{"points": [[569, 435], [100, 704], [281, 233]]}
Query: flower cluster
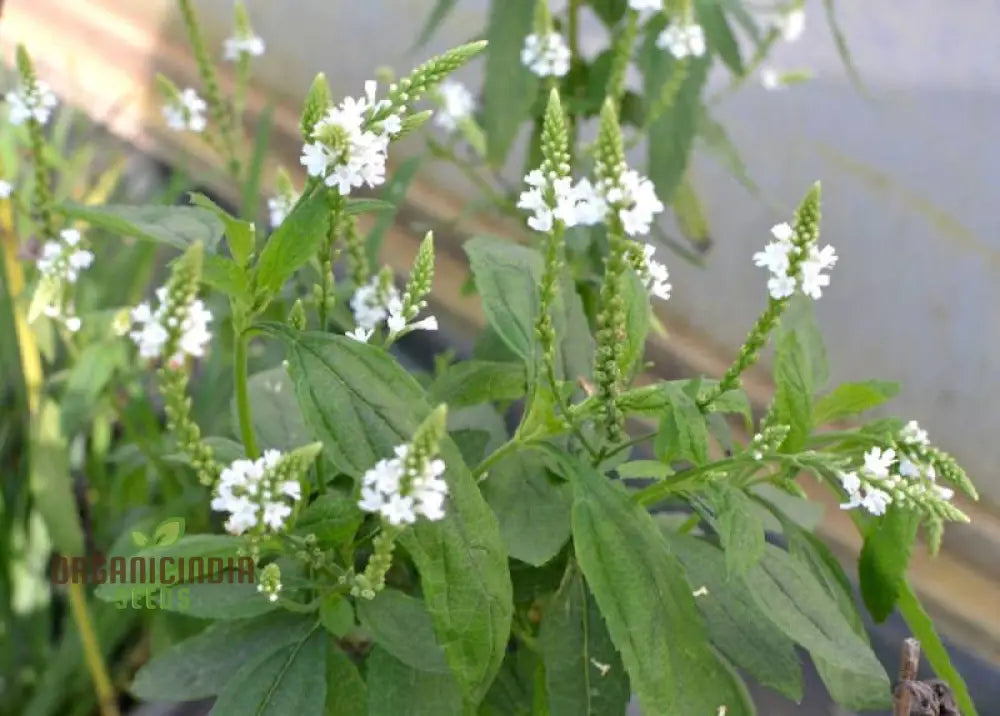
{"points": [[654, 275], [682, 39], [250, 45], [553, 197], [904, 474], [547, 55], [350, 143], [370, 304], [633, 196], [256, 492], [401, 489], [63, 259], [794, 264], [33, 100], [269, 583], [186, 111], [177, 326], [457, 103]]}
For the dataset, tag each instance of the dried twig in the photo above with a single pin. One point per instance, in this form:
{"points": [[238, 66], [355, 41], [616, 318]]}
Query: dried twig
{"points": [[909, 662], [920, 698]]}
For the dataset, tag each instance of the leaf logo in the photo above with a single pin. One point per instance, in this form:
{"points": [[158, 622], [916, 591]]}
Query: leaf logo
{"points": [[166, 533]]}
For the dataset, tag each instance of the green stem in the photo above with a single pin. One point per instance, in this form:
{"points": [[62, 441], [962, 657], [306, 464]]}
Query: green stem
{"points": [[107, 702], [499, 454], [243, 396]]}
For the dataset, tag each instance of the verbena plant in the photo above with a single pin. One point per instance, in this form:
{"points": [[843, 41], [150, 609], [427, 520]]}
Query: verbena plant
{"points": [[539, 528]]}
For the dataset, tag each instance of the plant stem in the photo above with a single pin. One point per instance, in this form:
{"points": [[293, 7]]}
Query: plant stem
{"points": [[243, 396], [500, 453], [106, 700]]}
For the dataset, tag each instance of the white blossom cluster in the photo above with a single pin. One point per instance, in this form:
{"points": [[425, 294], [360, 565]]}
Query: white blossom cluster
{"points": [[457, 104], [887, 476], [350, 146], [254, 492], [36, 102], [682, 39], [153, 329], [554, 197], [634, 197], [400, 494], [777, 258], [379, 301], [243, 44], [546, 55], [655, 276], [186, 112], [278, 207], [63, 259]]}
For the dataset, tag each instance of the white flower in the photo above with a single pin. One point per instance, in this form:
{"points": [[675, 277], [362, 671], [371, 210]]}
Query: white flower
{"points": [[186, 112], [6, 189], [655, 276], [279, 207], [824, 258], [398, 323], [64, 259], [360, 334], [770, 79], [876, 501], [774, 257], [35, 102], [251, 45], [780, 287], [850, 482], [590, 207], [401, 495], [73, 323], [635, 198], [546, 55], [646, 7], [188, 325], [457, 103], [813, 281], [255, 493], [913, 434], [878, 462], [782, 231], [682, 40], [350, 148], [370, 303], [792, 24]]}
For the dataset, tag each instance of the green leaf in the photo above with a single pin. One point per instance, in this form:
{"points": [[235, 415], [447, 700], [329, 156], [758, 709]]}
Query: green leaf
{"points": [[333, 518], [785, 589], [932, 648], [576, 345], [394, 191], [647, 604], [201, 666], [637, 316], [610, 11], [690, 214], [507, 277], [885, 557], [683, 434], [291, 680], [89, 375], [736, 626], [829, 7], [473, 382], [671, 135], [168, 531], [719, 35], [255, 167], [509, 87], [794, 390], [740, 531], [346, 694], [583, 672], [277, 420], [177, 226], [336, 614], [239, 233], [224, 276], [401, 625], [50, 482], [293, 243], [394, 689], [362, 404], [442, 8], [850, 399], [800, 318], [367, 205], [532, 505]]}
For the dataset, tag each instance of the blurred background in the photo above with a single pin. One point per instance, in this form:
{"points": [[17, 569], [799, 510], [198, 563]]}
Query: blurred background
{"points": [[905, 148]]}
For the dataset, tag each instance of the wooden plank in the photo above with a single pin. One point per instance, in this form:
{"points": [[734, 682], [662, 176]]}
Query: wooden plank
{"points": [[101, 56]]}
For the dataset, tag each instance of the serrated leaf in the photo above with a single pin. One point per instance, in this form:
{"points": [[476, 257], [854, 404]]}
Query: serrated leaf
{"points": [[637, 315], [332, 517], [224, 276], [201, 666], [583, 672], [884, 559], [793, 392], [177, 226], [401, 625], [683, 434], [336, 614], [362, 405], [277, 420], [736, 626], [740, 531], [531, 504], [473, 382], [509, 88], [346, 694], [240, 234], [647, 604], [849, 399], [293, 243], [291, 680]]}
